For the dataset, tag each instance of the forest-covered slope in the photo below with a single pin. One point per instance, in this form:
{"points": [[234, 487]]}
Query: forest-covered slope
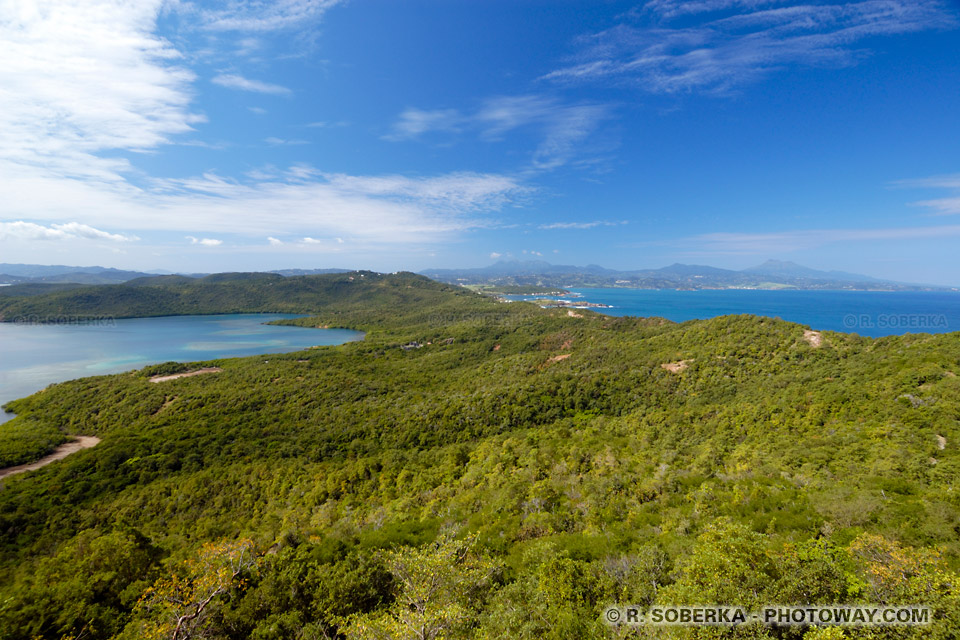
{"points": [[483, 470], [218, 293]]}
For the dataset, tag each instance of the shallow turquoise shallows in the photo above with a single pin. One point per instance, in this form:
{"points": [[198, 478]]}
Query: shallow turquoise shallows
{"points": [[33, 356]]}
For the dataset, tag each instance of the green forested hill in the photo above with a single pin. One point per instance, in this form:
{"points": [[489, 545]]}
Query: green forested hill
{"points": [[475, 469], [218, 293]]}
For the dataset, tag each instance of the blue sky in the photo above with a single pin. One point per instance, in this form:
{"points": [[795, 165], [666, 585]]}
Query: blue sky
{"points": [[202, 136]]}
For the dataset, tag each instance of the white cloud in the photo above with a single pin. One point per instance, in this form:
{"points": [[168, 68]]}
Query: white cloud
{"points": [[942, 206], [934, 182], [264, 15], [82, 81], [581, 225], [675, 46], [561, 127], [787, 241], [947, 206], [80, 78], [260, 111], [274, 242], [387, 209], [235, 81], [674, 8], [309, 240], [414, 122], [448, 194], [495, 256], [21, 230], [207, 242], [280, 142]]}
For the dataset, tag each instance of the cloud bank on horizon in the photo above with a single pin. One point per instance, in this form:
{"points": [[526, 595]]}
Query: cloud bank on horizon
{"points": [[245, 134]]}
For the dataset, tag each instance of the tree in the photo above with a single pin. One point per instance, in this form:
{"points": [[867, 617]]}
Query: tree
{"points": [[438, 589], [179, 605]]}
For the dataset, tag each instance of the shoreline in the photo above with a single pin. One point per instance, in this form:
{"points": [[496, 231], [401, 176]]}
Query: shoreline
{"points": [[59, 373]]}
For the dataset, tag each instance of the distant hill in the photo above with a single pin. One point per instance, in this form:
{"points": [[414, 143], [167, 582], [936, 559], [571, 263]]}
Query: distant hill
{"points": [[788, 269], [308, 272], [217, 293], [29, 288], [24, 273], [159, 280], [772, 274], [39, 270], [20, 273]]}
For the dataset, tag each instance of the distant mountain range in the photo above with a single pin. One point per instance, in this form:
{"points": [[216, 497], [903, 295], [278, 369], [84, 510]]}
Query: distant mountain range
{"points": [[63, 274], [59, 274], [772, 274]]}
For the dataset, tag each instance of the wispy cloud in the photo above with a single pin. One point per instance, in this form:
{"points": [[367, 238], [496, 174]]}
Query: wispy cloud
{"points": [[82, 78], [280, 142], [561, 127], [414, 122], [581, 225], [387, 209], [262, 15], [206, 242], [84, 81], [947, 206], [235, 81], [672, 46], [675, 8], [786, 241], [21, 230]]}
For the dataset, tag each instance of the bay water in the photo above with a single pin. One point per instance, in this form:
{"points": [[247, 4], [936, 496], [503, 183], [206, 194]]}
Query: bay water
{"points": [[33, 356]]}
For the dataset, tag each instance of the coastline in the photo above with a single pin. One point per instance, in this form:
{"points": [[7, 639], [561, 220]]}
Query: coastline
{"points": [[33, 375], [872, 314]]}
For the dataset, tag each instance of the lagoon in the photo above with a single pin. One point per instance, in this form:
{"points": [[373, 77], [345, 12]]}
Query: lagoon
{"points": [[33, 356]]}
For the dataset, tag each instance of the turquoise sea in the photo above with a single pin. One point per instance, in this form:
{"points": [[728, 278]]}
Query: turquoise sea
{"points": [[35, 355], [867, 313]]}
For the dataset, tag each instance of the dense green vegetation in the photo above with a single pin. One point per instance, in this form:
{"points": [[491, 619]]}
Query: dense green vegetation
{"points": [[28, 440], [482, 470], [218, 293]]}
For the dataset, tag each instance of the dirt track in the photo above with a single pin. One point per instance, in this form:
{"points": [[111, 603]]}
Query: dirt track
{"points": [[81, 442], [174, 376]]}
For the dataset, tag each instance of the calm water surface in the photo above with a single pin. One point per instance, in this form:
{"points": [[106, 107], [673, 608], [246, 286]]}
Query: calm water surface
{"points": [[33, 356], [868, 313]]}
